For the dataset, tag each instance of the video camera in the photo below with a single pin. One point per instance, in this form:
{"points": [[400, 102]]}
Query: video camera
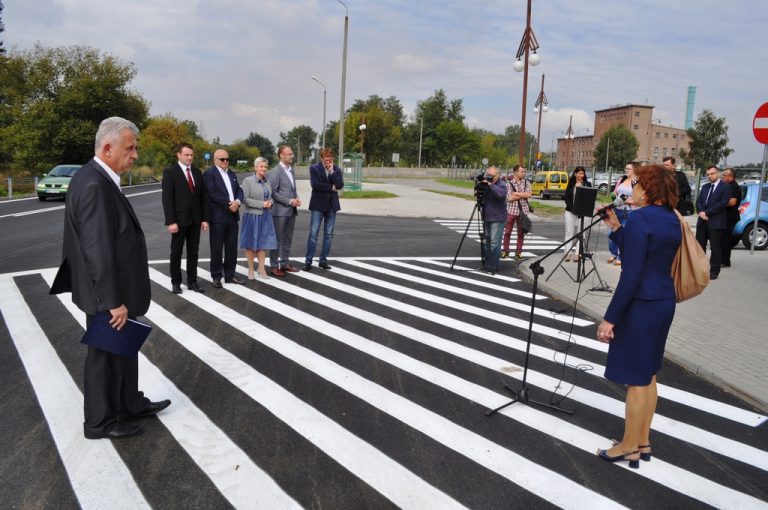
{"points": [[482, 181]]}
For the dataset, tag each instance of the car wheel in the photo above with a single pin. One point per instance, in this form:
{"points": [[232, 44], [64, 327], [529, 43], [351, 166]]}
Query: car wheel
{"points": [[541, 195], [41, 198], [603, 188], [761, 235]]}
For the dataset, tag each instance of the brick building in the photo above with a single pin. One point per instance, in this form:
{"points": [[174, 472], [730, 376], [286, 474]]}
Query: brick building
{"points": [[656, 141]]}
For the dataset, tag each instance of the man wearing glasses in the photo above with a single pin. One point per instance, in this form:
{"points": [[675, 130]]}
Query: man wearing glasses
{"points": [[712, 222], [224, 198]]}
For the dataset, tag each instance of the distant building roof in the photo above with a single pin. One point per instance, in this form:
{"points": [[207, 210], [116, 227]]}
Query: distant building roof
{"points": [[620, 106]]}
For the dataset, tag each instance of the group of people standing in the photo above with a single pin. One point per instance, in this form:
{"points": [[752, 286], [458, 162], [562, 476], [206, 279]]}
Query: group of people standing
{"points": [[505, 203], [269, 202]]}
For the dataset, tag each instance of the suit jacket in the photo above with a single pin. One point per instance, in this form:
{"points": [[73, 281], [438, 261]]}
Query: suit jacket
{"points": [[715, 206], [253, 194], [282, 192], [323, 196], [218, 198], [648, 243], [104, 254], [180, 205]]}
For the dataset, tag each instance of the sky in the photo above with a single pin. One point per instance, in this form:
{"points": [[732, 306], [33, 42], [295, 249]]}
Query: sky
{"points": [[237, 66]]}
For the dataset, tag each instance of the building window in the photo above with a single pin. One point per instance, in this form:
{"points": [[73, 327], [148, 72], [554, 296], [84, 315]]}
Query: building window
{"points": [[674, 135], [658, 135], [637, 114], [666, 135], [673, 151], [664, 151], [634, 127]]}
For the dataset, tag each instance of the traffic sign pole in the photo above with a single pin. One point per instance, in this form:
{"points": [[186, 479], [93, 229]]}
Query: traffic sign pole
{"points": [[760, 130]]}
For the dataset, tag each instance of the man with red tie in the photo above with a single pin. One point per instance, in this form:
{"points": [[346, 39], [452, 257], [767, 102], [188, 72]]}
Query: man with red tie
{"points": [[185, 205]]}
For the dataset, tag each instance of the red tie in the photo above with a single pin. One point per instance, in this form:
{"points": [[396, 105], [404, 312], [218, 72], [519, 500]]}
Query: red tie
{"points": [[189, 181]]}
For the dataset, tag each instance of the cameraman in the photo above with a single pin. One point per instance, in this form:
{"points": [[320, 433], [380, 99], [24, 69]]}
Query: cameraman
{"points": [[494, 217]]}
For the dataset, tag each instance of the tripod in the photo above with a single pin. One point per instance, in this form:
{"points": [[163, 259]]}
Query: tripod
{"points": [[583, 257], [521, 395], [480, 224]]}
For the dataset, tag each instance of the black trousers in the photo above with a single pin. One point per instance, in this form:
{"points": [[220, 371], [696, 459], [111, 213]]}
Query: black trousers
{"points": [[110, 389], [715, 237], [223, 238], [191, 236], [728, 241]]}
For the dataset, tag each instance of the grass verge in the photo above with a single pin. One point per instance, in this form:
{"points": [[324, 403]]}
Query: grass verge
{"points": [[368, 194]]}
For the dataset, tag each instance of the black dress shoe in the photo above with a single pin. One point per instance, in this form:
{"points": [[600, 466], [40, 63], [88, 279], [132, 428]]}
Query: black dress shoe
{"points": [[324, 265], [725, 265], [712, 276], [195, 287], [217, 284], [307, 267], [150, 409], [236, 280], [117, 431], [176, 289]]}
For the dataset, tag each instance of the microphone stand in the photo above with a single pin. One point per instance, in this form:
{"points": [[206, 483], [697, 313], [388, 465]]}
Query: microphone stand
{"points": [[522, 394]]}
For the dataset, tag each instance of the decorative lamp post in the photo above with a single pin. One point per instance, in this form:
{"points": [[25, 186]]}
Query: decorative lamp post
{"points": [[541, 106], [362, 139], [528, 44], [324, 91]]}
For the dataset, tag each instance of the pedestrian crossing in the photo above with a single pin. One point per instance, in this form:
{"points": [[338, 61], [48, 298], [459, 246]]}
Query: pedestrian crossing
{"points": [[366, 387], [533, 245]]}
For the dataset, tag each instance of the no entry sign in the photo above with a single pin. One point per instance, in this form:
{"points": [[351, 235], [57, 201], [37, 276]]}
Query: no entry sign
{"points": [[760, 124]]}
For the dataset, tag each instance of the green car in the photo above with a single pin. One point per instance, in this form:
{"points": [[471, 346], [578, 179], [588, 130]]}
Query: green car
{"points": [[56, 182]]}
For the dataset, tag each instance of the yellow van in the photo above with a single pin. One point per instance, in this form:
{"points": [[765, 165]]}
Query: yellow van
{"points": [[549, 184]]}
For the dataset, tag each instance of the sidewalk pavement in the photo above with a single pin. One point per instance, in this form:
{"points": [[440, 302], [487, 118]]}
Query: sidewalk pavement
{"points": [[721, 335]]}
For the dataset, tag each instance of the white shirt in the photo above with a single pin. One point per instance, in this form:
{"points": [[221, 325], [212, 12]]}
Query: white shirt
{"points": [[110, 172], [289, 172], [224, 175], [184, 171]]}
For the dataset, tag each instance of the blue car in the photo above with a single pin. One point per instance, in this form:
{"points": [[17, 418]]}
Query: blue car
{"points": [[745, 230]]}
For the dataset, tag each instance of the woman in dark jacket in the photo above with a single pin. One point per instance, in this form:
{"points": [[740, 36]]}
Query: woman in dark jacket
{"points": [[640, 314], [578, 178]]}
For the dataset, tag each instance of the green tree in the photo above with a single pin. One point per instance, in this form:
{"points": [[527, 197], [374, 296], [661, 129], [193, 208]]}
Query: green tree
{"points": [[510, 142], [431, 112], [453, 139], [708, 139], [53, 100], [623, 147], [241, 151], [262, 143], [301, 139], [159, 141]]}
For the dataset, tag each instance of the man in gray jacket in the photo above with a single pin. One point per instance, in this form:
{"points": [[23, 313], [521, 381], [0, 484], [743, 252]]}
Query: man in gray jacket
{"points": [[282, 179]]}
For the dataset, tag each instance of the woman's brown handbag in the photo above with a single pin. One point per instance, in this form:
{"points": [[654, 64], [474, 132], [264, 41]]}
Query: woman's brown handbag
{"points": [[690, 268]]}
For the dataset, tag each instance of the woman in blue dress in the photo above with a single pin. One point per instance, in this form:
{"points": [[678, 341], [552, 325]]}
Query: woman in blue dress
{"points": [[640, 314], [257, 234]]}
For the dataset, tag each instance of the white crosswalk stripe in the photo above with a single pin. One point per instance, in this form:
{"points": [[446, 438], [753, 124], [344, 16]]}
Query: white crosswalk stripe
{"points": [[386, 336]]}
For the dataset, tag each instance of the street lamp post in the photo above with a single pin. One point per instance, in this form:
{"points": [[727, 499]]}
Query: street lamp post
{"points": [[551, 147], [362, 138], [343, 84], [324, 91], [541, 106], [421, 133], [527, 44]]}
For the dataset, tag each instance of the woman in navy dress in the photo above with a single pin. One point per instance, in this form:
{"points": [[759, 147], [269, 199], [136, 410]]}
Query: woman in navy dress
{"points": [[257, 233], [640, 314]]}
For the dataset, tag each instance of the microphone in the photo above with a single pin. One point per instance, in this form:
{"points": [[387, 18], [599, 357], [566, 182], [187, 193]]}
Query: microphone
{"points": [[603, 211]]}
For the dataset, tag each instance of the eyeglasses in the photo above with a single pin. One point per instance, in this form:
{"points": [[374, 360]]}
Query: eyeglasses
{"points": [[223, 159]]}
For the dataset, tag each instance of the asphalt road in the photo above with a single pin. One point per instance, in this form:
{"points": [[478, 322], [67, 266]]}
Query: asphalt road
{"points": [[360, 387]]}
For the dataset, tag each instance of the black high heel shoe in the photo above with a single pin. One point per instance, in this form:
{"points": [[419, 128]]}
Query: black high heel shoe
{"points": [[644, 456], [633, 463]]}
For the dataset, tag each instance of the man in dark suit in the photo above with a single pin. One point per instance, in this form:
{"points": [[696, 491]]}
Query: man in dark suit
{"points": [[711, 225], [732, 215], [326, 180], [185, 205], [286, 201], [105, 267], [224, 198]]}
